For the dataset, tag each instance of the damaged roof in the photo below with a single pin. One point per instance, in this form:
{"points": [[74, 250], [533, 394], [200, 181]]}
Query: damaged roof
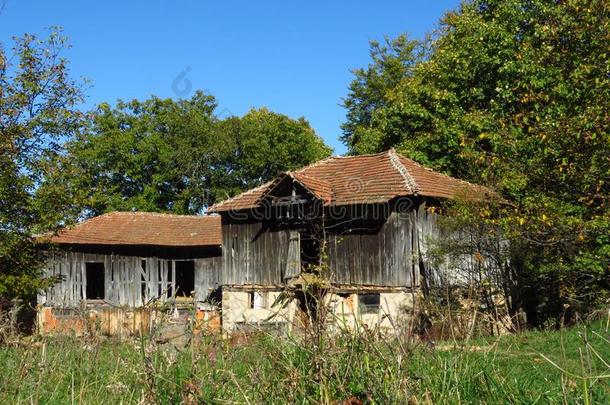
{"points": [[364, 179], [144, 229]]}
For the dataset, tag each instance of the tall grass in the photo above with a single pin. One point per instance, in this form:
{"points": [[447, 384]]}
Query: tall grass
{"points": [[568, 366]]}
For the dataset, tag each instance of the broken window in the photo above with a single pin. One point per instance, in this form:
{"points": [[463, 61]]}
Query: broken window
{"points": [[185, 277], [369, 303], [95, 281], [257, 300]]}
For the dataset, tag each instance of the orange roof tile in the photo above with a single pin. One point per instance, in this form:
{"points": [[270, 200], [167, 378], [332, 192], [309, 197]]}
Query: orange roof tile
{"points": [[434, 184], [144, 228], [375, 178], [322, 189]]}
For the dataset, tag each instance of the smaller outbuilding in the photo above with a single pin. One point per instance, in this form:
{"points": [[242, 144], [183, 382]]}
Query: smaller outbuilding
{"points": [[118, 268]]}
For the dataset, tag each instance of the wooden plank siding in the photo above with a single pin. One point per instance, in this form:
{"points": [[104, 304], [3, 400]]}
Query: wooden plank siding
{"points": [[128, 280], [385, 249], [207, 276], [381, 259], [253, 254]]}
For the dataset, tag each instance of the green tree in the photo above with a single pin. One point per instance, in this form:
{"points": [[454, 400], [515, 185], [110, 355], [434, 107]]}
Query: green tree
{"points": [[392, 62], [176, 156], [516, 94], [38, 101], [152, 155], [263, 144]]}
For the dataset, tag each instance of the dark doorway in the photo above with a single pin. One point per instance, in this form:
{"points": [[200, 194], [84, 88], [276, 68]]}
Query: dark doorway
{"points": [[95, 281], [185, 278]]}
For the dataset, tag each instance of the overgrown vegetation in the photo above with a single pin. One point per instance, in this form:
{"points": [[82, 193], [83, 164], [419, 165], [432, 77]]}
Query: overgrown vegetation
{"points": [[566, 366]]}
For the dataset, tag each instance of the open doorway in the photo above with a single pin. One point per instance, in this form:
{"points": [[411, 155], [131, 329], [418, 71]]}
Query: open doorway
{"points": [[185, 277], [95, 281]]}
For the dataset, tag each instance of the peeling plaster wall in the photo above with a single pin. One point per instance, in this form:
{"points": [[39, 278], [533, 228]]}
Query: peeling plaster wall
{"points": [[394, 311], [237, 312]]}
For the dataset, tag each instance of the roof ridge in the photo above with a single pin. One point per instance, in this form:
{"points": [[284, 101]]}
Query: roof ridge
{"points": [[404, 172], [150, 214], [437, 172], [467, 183]]}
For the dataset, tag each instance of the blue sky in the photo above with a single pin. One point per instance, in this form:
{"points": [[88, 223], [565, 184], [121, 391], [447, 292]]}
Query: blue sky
{"points": [[291, 57]]}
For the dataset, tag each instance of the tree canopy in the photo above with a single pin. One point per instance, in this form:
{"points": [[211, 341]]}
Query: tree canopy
{"points": [[513, 94], [38, 110], [176, 156], [262, 144]]}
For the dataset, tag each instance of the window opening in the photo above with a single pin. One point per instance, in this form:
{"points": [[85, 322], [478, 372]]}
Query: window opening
{"points": [[369, 303]]}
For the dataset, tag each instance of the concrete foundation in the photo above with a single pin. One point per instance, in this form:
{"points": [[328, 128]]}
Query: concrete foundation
{"points": [[242, 310], [252, 310]]}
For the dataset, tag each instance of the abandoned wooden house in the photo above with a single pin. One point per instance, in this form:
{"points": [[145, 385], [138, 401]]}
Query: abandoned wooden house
{"points": [[116, 268], [360, 226]]}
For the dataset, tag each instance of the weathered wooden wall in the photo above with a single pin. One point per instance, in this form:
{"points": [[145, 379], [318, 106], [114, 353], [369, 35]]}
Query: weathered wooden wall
{"points": [[427, 230], [389, 249], [394, 253], [252, 254], [127, 282], [207, 276], [384, 258], [399, 254]]}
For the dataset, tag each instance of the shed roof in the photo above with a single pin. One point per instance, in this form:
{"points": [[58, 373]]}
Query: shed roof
{"points": [[364, 179], [144, 229]]}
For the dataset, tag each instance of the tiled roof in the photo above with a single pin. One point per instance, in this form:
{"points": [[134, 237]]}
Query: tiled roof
{"points": [[375, 178], [144, 228], [434, 184], [322, 189]]}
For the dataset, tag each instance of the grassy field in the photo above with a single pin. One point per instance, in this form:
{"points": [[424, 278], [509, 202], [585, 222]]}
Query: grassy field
{"points": [[569, 366]]}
